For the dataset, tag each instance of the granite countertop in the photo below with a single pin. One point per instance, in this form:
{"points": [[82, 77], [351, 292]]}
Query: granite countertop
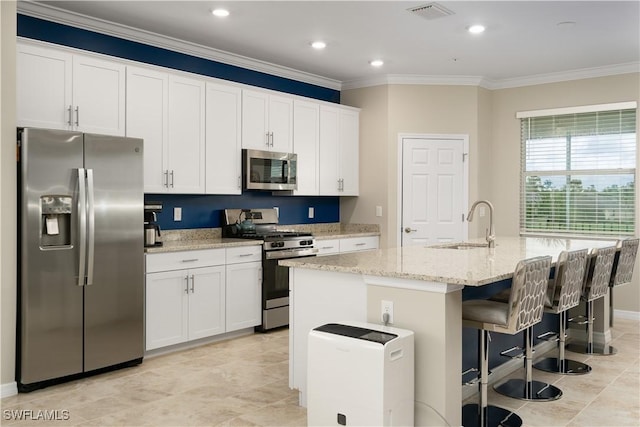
{"points": [[336, 230], [190, 245], [342, 234], [471, 267]]}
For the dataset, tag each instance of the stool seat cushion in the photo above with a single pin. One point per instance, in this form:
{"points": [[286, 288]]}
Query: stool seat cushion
{"points": [[485, 311]]}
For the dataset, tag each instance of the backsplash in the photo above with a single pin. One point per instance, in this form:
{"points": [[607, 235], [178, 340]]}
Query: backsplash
{"points": [[205, 211]]}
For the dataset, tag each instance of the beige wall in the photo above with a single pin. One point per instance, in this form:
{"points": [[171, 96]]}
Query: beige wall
{"points": [[7, 190], [488, 118]]}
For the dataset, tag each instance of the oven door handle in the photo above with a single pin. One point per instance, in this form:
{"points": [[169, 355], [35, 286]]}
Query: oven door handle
{"points": [[293, 253]]}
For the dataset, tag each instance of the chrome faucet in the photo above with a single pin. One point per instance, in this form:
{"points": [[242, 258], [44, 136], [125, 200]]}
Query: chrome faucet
{"points": [[491, 235]]}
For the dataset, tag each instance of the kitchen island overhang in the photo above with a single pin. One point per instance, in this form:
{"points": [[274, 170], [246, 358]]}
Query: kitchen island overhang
{"points": [[425, 285]]}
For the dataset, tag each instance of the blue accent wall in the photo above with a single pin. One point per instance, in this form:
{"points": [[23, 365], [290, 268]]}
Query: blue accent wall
{"points": [[198, 211], [39, 29], [204, 211]]}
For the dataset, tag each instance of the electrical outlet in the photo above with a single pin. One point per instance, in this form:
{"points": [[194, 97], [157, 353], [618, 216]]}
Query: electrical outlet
{"points": [[378, 210], [177, 214], [311, 212], [277, 209], [387, 307]]}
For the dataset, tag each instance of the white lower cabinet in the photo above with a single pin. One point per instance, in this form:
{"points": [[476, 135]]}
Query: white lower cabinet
{"points": [[220, 292], [348, 244], [244, 295]]}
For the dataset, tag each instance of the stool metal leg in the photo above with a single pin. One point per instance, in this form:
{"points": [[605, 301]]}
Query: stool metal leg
{"points": [[483, 415], [589, 347], [529, 389], [561, 365]]}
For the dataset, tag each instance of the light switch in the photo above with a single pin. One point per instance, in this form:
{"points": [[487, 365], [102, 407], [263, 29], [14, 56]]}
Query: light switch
{"points": [[177, 214], [378, 210]]}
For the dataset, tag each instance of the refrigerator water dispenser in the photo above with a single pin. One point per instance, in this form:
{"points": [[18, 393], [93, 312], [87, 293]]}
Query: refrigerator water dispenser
{"points": [[56, 221]]}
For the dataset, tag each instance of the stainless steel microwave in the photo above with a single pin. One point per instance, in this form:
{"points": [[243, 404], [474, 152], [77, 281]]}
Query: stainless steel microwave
{"points": [[268, 170]]}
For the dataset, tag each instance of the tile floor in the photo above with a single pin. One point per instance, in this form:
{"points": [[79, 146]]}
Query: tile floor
{"points": [[244, 382]]}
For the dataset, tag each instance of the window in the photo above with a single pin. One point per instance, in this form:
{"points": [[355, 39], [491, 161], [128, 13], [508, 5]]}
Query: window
{"points": [[578, 172]]}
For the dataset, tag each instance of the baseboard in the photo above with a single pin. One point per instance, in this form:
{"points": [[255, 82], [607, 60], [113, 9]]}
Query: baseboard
{"points": [[625, 314], [9, 389], [499, 372], [574, 334], [197, 343]]}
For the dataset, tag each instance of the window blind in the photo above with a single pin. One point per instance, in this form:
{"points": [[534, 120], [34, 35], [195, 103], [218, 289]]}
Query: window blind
{"points": [[578, 173]]}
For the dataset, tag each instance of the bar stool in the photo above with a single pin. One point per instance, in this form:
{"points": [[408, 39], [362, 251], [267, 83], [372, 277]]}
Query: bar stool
{"points": [[523, 309], [596, 285], [622, 269], [563, 293]]}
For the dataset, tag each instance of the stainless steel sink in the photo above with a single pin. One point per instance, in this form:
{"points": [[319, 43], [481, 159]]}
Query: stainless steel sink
{"points": [[461, 246]]}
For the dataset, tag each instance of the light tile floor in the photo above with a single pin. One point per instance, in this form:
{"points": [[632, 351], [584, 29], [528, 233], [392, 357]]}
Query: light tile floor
{"points": [[244, 382]]}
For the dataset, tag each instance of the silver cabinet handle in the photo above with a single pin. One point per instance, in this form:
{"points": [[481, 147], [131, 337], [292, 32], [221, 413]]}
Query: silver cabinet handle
{"points": [[193, 284], [267, 134], [82, 226], [171, 174], [244, 255], [186, 288], [327, 247], [272, 139], [92, 227], [69, 110], [77, 116], [239, 182], [190, 260], [409, 230], [360, 244], [165, 181]]}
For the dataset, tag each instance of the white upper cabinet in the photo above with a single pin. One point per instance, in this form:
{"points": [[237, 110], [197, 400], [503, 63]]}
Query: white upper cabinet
{"points": [[147, 118], [223, 139], [167, 111], [267, 121], [186, 135], [306, 144], [59, 90], [339, 151]]}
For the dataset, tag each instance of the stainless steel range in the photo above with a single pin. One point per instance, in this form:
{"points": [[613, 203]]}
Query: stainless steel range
{"points": [[262, 224]]}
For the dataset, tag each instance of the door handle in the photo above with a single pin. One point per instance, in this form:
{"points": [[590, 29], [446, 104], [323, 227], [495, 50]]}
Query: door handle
{"points": [[409, 230], [171, 174], [70, 122], [77, 116], [186, 288], [193, 284], [82, 226], [91, 223]]}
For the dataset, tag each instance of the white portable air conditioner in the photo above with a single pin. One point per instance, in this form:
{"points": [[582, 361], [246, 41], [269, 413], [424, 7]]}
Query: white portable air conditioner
{"points": [[360, 374]]}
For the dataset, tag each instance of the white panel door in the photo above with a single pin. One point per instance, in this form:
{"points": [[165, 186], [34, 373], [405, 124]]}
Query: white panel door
{"points": [[306, 134], [147, 118], [432, 191], [206, 302], [43, 87], [223, 139], [244, 295], [166, 309], [99, 96]]}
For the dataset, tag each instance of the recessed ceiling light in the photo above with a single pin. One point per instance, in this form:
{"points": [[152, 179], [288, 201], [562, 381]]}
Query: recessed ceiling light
{"points": [[376, 63], [318, 45], [220, 13], [476, 29]]}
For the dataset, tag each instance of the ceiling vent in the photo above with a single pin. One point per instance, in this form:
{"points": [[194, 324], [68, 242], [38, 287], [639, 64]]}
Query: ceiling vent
{"points": [[431, 11]]}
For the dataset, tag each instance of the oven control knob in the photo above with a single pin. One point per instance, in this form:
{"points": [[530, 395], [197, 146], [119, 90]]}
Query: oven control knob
{"points": [[280, 244], [303, 242], [274, 244]]}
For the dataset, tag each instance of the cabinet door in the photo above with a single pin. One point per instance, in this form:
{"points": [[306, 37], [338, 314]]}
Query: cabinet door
{"points": [[147, 104], [281, 123], [167, 309], [348, 155], [206, 302], [186, 135], [329, 151], [98, 96], [43, 87], [255, 120], [355, 244], [244, 295], [306, 134], [223, 139]]}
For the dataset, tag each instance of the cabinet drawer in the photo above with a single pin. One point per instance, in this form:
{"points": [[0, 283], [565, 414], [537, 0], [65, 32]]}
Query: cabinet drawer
{"points": [[328, 247], [244, 254], [184, 259], [358, 244]]}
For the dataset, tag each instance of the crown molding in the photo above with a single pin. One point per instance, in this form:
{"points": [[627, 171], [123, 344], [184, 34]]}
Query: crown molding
{"points": [[77, 20], [413, 79]]}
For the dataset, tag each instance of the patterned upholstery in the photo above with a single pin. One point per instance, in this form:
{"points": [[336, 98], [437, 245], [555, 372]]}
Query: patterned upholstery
{"points": [[596, 284], [565, 290], [627, 259], [526, 301]]}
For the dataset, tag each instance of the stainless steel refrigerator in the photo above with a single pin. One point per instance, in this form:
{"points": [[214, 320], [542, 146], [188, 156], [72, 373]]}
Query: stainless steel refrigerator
{"points": [[81, 255]]}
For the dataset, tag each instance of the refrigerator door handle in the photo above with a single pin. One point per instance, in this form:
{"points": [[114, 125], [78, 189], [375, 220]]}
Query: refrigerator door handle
{"points": [[91, 238], [82, 226]]}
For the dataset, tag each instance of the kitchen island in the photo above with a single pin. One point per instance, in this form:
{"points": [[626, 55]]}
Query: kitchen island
{"points": [[425, 285]]}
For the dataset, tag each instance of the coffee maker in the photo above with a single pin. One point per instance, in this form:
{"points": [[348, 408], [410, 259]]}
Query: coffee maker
{"points": [[152, 236]]}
